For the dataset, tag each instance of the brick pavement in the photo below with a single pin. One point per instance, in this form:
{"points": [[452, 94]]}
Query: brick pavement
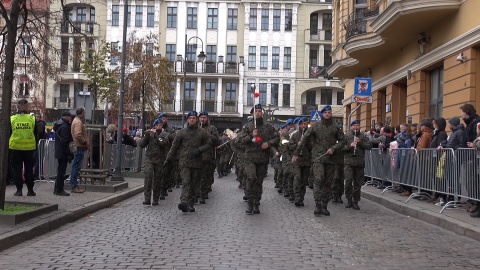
{"points": [[220, 236]]}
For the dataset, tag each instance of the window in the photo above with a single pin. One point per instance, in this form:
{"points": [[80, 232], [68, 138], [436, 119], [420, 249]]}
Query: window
{"points": [[189, 90], [263, 57], [92, 15], [64, 55], [25, 48], [149, 49], [129, 15], [287, 58], [171, 52], [326, 96], [276, 19], [114, 53], [252, 57], [64, 92], [313, 58], [288, 20], [232, 54], [210, 90], [286, 95], [274, 94], [212, 53], [77, 87], [191, 52], [327, 59], [327, 25], [276, 58], [21, 18], [192, 18], [81, 14], [171, 17], [231, 92], [23, 89], [262, 87], [232, 19], [265, 18], [138, 16], [115, 15], [340, 97], [436, 93], [212, 21], [150, 16], [253, 19]]}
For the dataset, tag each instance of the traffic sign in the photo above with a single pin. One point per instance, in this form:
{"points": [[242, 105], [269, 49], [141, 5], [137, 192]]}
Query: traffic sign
{"points": [[363, 87], [362, 99], [315, 116]]}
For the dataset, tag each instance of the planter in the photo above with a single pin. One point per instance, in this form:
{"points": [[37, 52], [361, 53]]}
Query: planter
{"points": [[13, 219]]}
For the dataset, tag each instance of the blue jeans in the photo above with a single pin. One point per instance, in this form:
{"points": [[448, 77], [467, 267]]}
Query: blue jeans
{"points": [[76, 166]]}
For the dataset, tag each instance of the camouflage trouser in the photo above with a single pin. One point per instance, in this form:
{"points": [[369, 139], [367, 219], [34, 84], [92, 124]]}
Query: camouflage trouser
{"points": [[255, 175], [300, 181], [153, 180], [278, 174], [322, 190], [176, 179], [190, 184], [224, 166], [338, 180], [207, 179], [311, 177], [287, 178], [240, 168], [353, 181]]}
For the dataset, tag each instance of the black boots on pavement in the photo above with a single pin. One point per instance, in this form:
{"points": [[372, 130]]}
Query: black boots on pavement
{"points": [[352, 204], [321, 209]]}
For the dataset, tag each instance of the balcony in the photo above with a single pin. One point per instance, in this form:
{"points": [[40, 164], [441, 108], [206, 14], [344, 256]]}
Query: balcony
{"points": [[209, 105], [187, 105], [318, 36], [308, 108], [356, 23], [167, 106], [229, 106], [63, 102], [208, 67], [79, 27]]}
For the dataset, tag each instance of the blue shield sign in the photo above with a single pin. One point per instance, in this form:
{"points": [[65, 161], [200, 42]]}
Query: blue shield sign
{"points": [[315, 116], [363, 87]]}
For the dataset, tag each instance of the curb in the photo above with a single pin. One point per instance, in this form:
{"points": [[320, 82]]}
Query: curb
{"points": [[51, 223], [433, 218]]}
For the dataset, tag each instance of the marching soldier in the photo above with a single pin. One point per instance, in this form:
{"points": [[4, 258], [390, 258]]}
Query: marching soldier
{"points": [[258, 137], [157, 141], [223, 155], [339, 177], [189, 144], [356, 144], [325, 138], [208, 158], [173, 173], [301, 167], [284, 157]]}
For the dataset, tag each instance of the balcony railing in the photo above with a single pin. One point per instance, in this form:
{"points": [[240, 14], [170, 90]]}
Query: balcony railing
{"points": [[356, 23], [308, 108], [229, 106], [188, 105], [89, 28], [317, 71], [63, 102], [231, 67], [209, 105], [207, 67], [320, 34], [167, 106]]}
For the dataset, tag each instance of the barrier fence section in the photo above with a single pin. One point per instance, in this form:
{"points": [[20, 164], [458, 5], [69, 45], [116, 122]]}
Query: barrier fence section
{"points": [[453, 173]]}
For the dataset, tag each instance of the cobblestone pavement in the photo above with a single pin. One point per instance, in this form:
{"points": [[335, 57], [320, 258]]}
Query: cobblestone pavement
{"points": [[220, 236]]}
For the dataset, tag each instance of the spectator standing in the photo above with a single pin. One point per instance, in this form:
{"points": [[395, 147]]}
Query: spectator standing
{"points": [[439, 133], [458, 138], [63, 137], [41, 135], [127, 139], [471, 119], [22, 147], [80, 139], [111, 134]]}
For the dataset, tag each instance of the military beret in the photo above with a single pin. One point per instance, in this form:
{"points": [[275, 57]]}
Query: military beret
{"points": [[296, 120], [162, 115], [355, 122], [192, 113], [258, 106], [203, 113], [326, 108], [302, 120], [157, 121], [289, 121]]}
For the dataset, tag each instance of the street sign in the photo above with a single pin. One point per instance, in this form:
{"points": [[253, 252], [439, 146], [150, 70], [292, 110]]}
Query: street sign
{"points": [[315, 116], [363, 87], [84, 93], [362, 99]]}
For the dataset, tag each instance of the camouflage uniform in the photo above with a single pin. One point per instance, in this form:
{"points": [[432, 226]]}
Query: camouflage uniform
{"points": [[301, 168], [256, 162], [224, 152], [170, 180], [322, 136], [286, 163], [239, 151], [155, 155], [188, 141], [339, 177], [355, 165], [289, 173], [208, 159]]}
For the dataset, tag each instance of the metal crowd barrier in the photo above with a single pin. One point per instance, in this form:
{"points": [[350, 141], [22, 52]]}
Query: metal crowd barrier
{"points": [[453, 173], [130, 157]]}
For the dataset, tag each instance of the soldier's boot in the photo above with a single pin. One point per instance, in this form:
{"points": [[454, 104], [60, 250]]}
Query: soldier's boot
{"points": [[201, 200], [292, 197], [280, 190], [183, 206], [169, 190], [335, 198], [256, 205], [339, 199], [318, 208], [206, 196], [325, 211], [286, 193], [355, 205], [146, 201], [249, 210], [349, 203], [245, 198], [155, 199], [299, 202], [220, 174], [191, 208]]}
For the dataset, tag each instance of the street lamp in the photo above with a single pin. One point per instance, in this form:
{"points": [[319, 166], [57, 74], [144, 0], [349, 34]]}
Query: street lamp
{"points": [[201, 57]]}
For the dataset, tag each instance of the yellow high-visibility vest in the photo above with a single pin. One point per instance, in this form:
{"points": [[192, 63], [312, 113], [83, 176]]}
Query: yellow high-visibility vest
{"points": [[23, 137]]}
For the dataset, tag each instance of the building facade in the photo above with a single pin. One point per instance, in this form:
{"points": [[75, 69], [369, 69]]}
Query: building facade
{"points": [[421, 55]]}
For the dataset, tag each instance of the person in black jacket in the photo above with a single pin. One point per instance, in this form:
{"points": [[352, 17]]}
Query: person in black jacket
{"points": [[439, 134], [63, 137], [41, 135], [471, 119], [127, 139]]}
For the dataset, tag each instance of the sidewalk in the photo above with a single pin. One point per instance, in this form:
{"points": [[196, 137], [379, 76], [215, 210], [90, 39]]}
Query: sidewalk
{"points": [[70, 208], [457, 220]]}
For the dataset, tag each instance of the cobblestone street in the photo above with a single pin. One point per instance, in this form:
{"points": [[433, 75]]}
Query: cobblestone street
{"points": [[220, 236]]}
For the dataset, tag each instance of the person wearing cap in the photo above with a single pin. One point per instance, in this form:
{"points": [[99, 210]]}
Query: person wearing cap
{"points": [[63, 138], [301, 167], [354, 163], [208, 158], [22, 145], [127, 139], [189, 144], [154, 158], [174, 178], [325, 137], [82, 142], [257, 137], [458, 137], [426, 137]]}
